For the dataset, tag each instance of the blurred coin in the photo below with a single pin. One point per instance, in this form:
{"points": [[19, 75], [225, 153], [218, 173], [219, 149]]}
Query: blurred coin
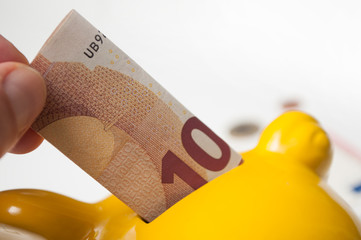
{"points": [[244, 129]]}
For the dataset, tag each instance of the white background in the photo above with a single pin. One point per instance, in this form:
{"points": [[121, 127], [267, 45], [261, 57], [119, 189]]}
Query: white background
{"points": [[227, 61]]}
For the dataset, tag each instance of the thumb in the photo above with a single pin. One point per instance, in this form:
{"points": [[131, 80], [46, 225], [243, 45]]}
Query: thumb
{"points": [[22, 97]]}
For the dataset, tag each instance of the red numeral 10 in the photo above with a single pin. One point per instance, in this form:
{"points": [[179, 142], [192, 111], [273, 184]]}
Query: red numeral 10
{"points": [[172, 164]]}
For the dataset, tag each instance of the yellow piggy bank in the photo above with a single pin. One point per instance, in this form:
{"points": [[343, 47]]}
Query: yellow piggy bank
{"points": [[277, 193]]}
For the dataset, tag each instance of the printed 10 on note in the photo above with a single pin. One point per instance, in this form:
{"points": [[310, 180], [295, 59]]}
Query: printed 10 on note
{"points": [[112, 119]]}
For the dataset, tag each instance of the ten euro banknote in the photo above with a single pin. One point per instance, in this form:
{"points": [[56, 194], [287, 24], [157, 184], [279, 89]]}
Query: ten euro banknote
{"points": [[112, 119]]}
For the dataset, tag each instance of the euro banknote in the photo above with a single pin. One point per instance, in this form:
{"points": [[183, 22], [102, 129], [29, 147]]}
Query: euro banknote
{"points": [[111, 118]]}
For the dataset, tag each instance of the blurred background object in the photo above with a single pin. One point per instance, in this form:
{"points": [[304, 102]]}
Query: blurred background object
{"points": [[235, 64]]}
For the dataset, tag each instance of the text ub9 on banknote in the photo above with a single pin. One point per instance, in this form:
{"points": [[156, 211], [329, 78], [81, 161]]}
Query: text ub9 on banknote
{"points": [[112, 119]]}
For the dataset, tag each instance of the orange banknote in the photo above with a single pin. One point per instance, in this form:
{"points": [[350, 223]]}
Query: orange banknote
{"points": [[112, 119]]}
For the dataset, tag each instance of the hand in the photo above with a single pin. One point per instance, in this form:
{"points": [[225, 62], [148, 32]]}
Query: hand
{"points": [[22, 97]]}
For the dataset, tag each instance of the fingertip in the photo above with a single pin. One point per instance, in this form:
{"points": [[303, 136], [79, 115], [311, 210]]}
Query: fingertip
{"points": [[22, 97], [9, 52], [26, 92], [27, 143]]}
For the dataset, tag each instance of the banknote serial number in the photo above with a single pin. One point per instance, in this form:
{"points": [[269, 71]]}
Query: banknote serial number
{"points": [[94, 46], [173, 165]]}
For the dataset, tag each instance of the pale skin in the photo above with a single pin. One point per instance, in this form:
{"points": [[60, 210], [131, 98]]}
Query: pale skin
{"points": [[22, 97]]}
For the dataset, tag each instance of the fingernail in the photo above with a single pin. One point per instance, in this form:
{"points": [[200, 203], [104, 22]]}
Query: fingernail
{"points": [[25, 90]]}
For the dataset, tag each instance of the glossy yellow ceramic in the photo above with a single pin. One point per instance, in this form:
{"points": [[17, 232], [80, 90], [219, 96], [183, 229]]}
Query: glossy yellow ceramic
{"points": [[277, 193]]}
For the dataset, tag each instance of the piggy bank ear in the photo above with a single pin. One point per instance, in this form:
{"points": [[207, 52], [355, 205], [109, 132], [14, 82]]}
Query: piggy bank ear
{"points": [[300, 138]]}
